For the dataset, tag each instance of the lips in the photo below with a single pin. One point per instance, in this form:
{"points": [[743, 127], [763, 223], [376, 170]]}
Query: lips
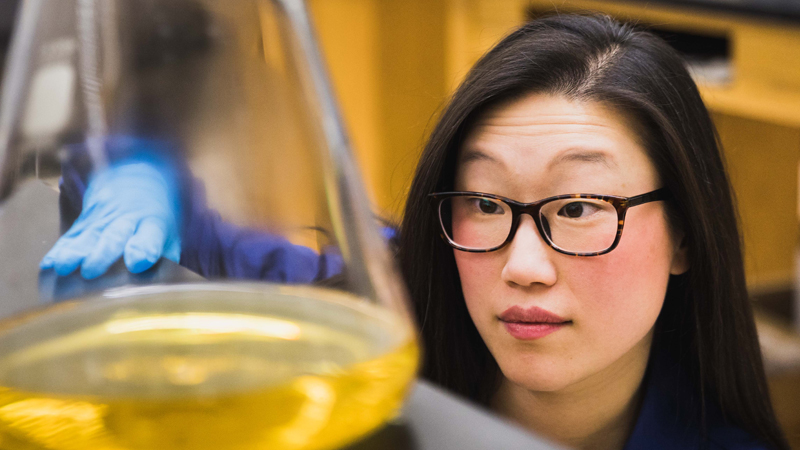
{"points": [[531, 323]]}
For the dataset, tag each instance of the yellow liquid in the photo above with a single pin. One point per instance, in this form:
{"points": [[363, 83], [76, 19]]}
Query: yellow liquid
{"points": [[208, 380]]}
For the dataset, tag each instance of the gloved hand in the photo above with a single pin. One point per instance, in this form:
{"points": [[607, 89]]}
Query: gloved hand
{"points": [[130, 209]]}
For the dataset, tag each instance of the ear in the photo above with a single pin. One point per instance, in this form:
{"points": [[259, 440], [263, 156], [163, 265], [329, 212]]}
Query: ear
{"points": [[680, 257]]}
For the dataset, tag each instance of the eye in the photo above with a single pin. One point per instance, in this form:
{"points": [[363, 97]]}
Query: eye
{"points": [[487, 206], [575, 210]]}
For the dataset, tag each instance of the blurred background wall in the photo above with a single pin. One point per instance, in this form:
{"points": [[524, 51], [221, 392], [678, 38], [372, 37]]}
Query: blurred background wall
{"points": [[395, 62]]}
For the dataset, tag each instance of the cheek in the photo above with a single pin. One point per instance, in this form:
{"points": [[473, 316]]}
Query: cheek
{"points": [[480, 282], [623, 291]]}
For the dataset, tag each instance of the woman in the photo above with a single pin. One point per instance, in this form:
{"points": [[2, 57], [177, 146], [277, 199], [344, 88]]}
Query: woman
{"points": [[574, 104], [541, 308]]}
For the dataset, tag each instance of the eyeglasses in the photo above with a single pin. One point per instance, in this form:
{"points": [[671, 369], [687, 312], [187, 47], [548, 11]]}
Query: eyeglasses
{"points": [[573, 224]]}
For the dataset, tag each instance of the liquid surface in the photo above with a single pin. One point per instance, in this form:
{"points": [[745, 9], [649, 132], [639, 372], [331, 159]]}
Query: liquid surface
{"points": [[208, 380]]}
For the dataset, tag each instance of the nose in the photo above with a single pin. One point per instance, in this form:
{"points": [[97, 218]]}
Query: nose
{"points": [[528, 257]]}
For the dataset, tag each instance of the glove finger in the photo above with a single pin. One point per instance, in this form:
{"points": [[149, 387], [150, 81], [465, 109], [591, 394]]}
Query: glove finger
{"points": [[64, 242], [49, 259], [52, 256], [100, 204], [146, 245], [85, 220], [109, 248], [73, 251]]}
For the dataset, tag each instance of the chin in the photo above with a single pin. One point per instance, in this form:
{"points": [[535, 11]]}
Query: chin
{"points": [[537, 377]]}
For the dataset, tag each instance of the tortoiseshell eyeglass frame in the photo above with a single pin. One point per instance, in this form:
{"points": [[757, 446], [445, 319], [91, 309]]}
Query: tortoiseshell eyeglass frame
{"points": [[621, 204]]}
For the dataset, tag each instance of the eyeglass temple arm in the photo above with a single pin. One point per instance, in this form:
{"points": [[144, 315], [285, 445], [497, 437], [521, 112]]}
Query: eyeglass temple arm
{"points": [[652, 196]]}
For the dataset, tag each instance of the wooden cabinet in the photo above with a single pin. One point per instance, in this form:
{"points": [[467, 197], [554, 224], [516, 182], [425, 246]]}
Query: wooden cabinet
{"points": [[387, 62], [394, 62]]}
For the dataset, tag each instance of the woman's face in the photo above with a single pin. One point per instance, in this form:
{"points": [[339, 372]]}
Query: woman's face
{"points": [[605, 306]]}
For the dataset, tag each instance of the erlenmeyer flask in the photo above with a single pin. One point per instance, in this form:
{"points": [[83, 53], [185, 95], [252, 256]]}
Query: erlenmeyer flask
{"points": [[210, 129]]}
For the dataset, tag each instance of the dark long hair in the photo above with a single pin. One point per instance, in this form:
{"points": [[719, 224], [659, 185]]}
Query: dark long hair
{"points": [[706, 323]]}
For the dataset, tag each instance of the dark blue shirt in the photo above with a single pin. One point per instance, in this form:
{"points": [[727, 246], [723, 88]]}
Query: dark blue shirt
{"points": [[664, 421]]}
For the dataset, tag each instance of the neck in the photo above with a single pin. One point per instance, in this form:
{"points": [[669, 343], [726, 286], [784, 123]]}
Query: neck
{"points": [[598, 412]]}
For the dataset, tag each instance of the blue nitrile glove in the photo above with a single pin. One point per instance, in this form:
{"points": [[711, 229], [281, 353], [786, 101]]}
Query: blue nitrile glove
{"points": [[130, 209]]}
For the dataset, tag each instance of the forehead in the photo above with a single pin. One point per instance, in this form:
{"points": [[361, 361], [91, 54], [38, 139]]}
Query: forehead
{"points": [[545, 143]]}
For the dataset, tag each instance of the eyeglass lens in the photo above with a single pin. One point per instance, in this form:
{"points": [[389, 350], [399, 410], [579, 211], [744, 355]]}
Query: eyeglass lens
{"points": [[573, 225]]}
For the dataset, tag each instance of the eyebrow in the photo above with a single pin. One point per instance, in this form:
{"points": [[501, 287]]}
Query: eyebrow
{"points": [[580, 155], [473, 155]]}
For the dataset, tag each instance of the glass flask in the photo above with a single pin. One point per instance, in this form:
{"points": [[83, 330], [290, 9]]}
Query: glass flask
{"points": [[201, 268]]}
